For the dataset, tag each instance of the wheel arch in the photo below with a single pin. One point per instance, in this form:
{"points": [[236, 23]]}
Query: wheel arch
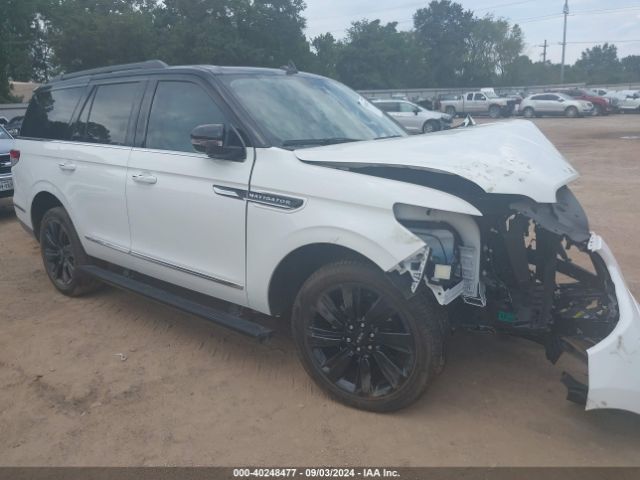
{"points": [[42, 202], [298, 265]]}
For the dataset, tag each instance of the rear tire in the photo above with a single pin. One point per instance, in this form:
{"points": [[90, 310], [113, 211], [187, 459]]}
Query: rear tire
{"points": [[599, 111], [362, 342], [528, 112], [450, 111], [571, 112], [62, 253], [494, 111]]}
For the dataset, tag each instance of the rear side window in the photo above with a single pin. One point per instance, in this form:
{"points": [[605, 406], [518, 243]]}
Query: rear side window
{"points": [[50, 112], [109, 113], [179, 107]]}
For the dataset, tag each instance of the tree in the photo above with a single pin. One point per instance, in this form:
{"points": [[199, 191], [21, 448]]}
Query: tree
{"points": [[631, 68], [600, 64], [91, 33], [377, 56], [327, 52], [442, 31]]}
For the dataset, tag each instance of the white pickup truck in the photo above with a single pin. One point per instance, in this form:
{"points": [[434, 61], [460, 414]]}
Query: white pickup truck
{"points": [[291, 195], [481, 102]]}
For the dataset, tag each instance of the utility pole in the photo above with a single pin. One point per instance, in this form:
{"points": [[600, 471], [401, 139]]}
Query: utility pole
{"points": [[544, 52], [565, 10]]}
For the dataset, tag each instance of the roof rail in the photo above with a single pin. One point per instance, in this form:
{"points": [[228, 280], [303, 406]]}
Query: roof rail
{"points": [[149, 64]]}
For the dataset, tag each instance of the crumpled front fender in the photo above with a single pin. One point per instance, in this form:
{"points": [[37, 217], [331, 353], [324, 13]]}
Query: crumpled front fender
{"points": [[614, 363]]}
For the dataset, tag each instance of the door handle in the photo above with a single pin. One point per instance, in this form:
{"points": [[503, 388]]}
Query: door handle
{"points": [[145, 178], [67, 167]]}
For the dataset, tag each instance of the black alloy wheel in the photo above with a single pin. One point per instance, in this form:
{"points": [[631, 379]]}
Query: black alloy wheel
{"points": [[360, 342], [62, 253], [58, 253], [363, 341]]}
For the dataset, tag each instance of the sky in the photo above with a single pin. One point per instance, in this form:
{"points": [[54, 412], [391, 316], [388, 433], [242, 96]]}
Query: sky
{"points": [[590, 22]]}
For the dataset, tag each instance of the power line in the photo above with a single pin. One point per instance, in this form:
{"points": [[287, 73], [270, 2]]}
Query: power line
{"points": [[583, 12]]}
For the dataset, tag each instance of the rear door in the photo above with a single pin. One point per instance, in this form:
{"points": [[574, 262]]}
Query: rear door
{"points": [[86, 160], [187, 227]]}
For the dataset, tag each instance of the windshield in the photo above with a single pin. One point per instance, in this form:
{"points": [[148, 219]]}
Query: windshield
{"points": [[4, 135], [303, 110]]}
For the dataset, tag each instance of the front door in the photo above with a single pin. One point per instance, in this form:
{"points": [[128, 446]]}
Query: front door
{"points": [[182, 230]]}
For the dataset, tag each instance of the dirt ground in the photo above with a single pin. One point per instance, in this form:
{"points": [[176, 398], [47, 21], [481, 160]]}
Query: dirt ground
{"points": [[185, 392]]}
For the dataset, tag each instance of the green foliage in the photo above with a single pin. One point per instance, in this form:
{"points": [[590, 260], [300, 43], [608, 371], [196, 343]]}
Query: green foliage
{"points": [[448, 46], [377, 56]]}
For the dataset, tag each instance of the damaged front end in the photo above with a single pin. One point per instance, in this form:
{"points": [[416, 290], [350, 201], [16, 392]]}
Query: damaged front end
{"points": [[542, 275]]}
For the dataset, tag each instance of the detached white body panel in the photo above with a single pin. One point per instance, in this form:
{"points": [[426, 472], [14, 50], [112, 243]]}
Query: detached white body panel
{"points": [[614, 363]]}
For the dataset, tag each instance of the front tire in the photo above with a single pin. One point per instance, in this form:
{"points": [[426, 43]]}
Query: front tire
{"points": [[571, 112], [430, 126], [361, 341], [62, 253]]}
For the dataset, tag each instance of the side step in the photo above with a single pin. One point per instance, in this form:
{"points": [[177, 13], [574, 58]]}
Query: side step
{"points": [[179, 302]]}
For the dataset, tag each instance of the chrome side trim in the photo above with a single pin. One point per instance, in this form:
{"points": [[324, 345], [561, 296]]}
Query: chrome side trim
{"points": [[228, 192], [19, 208], [104, 243], [162, 263], [182, 269]]}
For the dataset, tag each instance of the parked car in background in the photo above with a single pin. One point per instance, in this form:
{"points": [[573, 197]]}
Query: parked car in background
{"points": [[14, 125], [601, 105], [626, 100], [554, 104], [6, 180], [437, 102], [479, 103], [414, 118]]}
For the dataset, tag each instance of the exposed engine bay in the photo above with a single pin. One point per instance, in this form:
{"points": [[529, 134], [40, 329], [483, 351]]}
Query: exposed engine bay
{"points": [[535, 274]]}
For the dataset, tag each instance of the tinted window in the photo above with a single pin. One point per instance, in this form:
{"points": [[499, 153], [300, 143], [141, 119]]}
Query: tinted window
{"points": [[406, 107], [480, 96], [50, 112], [470, 96], [387, 106], [537, 97], [110, 111], [179, 107]]}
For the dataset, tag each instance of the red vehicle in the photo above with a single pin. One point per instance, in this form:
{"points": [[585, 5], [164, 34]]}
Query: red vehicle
{"points": [[601, 105]]}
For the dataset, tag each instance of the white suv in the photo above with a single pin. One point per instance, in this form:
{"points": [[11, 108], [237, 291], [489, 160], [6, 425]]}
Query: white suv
{"points": [[292, 195]]}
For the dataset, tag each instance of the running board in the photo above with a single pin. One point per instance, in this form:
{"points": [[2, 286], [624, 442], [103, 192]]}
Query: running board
{"points": [[178, 302]]}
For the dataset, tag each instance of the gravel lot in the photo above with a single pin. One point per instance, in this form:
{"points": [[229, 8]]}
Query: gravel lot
{"points": [[192, 393]]}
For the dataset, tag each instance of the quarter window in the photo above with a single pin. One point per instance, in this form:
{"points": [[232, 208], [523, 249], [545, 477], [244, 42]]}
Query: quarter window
{"points": [[179, 107], [50, 112]]}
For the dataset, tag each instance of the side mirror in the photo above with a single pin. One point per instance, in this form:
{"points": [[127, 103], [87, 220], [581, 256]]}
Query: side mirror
{"points": [[212, 139], [561, 100], [416, 111]]}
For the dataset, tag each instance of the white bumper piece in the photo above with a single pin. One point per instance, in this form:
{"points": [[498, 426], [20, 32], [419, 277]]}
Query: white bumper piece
{"points": [[614, 363]]}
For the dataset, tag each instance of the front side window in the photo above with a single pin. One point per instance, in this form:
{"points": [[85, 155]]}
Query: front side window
{"points": [[300, 110], [49, 113], [407, 107], [179, 107]]}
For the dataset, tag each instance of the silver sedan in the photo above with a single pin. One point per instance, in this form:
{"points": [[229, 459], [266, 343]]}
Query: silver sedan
{"points": [[414, 118], [554, 104]]}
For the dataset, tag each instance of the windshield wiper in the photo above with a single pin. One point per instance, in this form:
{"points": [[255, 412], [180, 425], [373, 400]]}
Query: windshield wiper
{"points": [[317, 141]]}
